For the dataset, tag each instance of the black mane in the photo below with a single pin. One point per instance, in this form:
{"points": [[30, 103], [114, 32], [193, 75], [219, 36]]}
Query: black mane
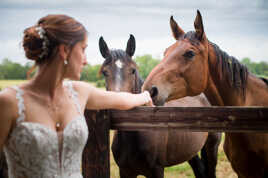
{"points": [[231, 69], [117, 54], [265, 80], [191, 36]]}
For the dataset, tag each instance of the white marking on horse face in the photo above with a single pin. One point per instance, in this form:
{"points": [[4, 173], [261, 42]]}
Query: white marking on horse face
{"points": [[118, 73], [119, 64], [118, 79]]}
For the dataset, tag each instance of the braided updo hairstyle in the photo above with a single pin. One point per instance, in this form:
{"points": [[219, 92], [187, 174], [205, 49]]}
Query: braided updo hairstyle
{"points": [[40, 41]]}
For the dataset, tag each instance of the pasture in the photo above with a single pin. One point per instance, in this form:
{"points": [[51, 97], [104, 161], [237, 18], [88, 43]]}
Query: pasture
{"points": [[184, 170], [7, 83], [224, 169]]}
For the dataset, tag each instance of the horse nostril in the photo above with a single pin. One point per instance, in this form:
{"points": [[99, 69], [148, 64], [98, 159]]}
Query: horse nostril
{"points": [[154, 91]]}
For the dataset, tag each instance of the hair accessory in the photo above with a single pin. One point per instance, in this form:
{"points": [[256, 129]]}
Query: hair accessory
{"points": [[41, 32], [65, 62]]}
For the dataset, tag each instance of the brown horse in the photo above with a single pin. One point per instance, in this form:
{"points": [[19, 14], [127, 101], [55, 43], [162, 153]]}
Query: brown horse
{"points": [[193, 65], [147, 153]]}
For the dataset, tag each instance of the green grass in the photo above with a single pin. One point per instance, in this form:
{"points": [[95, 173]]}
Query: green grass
{"points": [[182, 167], [8, 83]]}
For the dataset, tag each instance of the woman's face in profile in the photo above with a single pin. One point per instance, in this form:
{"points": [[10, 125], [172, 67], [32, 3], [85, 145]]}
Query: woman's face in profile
{"points": [[77, 60]]}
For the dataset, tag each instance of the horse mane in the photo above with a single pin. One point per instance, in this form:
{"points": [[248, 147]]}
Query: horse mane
{"points": [[230, 69], [115, 54], [119, 54]]}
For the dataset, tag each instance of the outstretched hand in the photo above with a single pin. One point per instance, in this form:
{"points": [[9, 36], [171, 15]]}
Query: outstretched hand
{"points": [[148, 99]]}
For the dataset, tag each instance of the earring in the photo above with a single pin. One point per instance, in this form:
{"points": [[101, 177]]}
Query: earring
{"points": [[65, 62]]}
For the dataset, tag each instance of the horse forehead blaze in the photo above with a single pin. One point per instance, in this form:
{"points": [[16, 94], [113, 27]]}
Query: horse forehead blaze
{"points": [[119, 64]]}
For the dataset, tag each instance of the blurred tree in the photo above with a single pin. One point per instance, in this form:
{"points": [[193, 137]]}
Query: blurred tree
{"points": [[91, 73], [260, 69], [146, 63], [11, 70]]}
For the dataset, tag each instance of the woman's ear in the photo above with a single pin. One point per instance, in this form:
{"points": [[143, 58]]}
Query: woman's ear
{"points": [[63, 51]]}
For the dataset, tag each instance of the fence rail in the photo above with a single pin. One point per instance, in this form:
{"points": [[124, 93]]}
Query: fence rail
{"points": [[223, 119], [96, 163]]}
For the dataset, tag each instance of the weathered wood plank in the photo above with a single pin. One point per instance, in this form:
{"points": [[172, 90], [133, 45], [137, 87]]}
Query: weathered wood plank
{"points": [[225, 119], [96, 155]]}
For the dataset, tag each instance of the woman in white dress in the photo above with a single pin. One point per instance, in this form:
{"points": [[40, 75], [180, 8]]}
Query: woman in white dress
{"points": [[42, 127]]}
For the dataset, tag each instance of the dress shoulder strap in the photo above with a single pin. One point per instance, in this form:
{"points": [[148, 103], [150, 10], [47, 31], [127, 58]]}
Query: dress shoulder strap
{"points": [[21, 107], [74, 95]]}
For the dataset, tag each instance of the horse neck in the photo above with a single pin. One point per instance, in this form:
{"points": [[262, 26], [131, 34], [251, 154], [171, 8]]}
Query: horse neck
{"points": [[124, 136], [219, 90]]}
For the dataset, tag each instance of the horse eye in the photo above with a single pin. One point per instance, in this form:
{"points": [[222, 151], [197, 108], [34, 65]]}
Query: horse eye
{"points": [[133, 71], [105, 73], [189, 54]]}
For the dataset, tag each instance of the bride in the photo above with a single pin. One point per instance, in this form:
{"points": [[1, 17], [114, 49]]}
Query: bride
{"points": [[42, 127]]}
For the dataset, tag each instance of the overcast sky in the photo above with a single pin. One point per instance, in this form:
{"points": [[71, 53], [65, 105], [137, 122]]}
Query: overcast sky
{"points": [[239, 27]]}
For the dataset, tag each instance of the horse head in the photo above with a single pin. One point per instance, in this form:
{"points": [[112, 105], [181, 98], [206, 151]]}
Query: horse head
{"points": [[119, 70], [184, 68]]}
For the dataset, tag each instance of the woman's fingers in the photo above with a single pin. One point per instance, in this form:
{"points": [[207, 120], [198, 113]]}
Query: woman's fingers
{"points": [[148, 99]]}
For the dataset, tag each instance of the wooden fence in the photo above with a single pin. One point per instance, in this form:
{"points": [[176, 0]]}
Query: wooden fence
{"points": [[96, 163]]}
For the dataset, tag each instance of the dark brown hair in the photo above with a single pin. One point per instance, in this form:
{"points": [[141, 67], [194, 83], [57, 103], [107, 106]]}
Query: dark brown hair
{"points": [[59, 29]]}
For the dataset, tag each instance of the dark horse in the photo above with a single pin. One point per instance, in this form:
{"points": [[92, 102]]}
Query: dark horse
{"points": [[193, 65], [148, 152], [3, 166]]}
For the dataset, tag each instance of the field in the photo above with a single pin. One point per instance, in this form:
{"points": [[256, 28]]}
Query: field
{"points": [[224, 169], [7, 83]]}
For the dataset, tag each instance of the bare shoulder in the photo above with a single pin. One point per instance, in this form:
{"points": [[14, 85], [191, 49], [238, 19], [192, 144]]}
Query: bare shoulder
{"points": [[7, 97], [8, 104], [8, 114], [82, 87], [84, 90]]}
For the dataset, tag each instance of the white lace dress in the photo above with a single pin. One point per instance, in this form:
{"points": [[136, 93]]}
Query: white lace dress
{"points": [[35, 151]]}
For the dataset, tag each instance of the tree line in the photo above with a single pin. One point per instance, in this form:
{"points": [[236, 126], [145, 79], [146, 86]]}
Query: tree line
{"points": [[14, 71]]}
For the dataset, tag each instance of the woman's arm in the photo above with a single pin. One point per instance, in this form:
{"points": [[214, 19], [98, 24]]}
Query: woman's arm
{"points": [[101, 99], [6, 116]]}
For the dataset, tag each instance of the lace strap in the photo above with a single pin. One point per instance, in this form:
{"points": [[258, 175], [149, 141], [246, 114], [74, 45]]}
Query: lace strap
{"points": [[74, 96], [21, 107]]}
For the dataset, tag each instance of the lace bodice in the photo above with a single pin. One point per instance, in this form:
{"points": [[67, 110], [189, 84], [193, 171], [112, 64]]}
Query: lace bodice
{"points": [[36, 151]]}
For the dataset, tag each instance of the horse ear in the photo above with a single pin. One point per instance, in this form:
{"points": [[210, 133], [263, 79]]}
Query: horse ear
{"points": [[176, 30], [198, 25], [131, 46], [105, 52]]}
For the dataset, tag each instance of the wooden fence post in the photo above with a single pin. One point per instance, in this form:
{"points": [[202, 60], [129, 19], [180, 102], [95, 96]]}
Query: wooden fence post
{"points": [[96, 155]]}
